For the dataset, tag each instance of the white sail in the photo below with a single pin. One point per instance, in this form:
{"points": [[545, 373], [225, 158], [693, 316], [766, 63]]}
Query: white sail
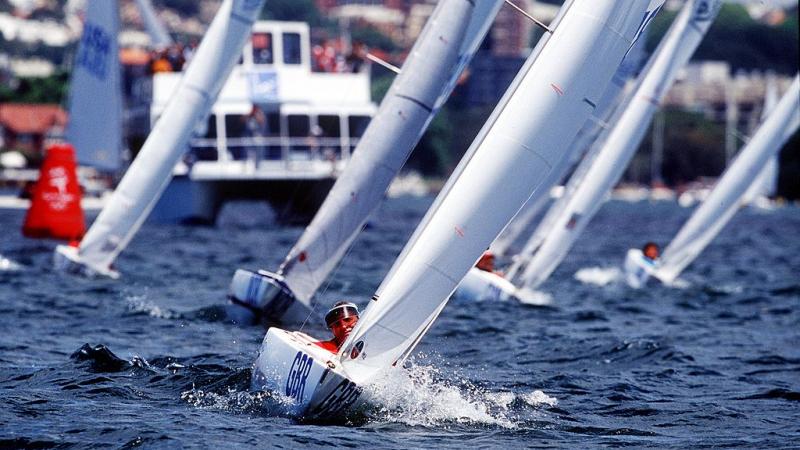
{"points": [[723, 201], [452, 35], [587, 195], [151, 171], [95, 96], [159, 37], [524, 138], [589, 133]]}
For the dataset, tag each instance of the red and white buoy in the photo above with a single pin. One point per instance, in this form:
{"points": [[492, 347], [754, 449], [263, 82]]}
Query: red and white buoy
{"points": [[55, 210]]}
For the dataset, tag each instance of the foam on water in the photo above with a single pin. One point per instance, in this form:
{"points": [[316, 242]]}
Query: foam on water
{"points": [[8, 265], [139, 304], [424, 395], [599, 276], [533, 297]]}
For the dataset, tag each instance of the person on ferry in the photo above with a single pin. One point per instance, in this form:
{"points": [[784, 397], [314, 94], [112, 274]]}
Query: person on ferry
{"points": [[341, 319], [650, 251]]}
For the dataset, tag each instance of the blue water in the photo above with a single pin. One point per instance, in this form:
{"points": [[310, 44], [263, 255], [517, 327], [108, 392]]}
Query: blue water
{"points": [[714, 364]]}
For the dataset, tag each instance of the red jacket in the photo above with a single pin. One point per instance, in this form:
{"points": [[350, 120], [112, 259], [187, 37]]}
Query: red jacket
{"points": [[330, 346]]}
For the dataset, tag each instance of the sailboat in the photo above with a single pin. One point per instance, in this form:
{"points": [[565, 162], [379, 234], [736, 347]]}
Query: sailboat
{"points": [[585, 192], [725, 199], [150, 172], [95, 121], [446, 45], [599, 169], [502, 169]]}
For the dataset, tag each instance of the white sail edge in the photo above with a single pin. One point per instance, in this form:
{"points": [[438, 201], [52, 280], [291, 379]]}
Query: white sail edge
{"points": [[95, 121], [446, 45], [151, 171], [723, 201], [674, 52], [568, 77]]}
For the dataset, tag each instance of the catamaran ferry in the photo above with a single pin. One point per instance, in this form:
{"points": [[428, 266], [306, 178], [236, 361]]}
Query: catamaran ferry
{"points": [[279, 131]]}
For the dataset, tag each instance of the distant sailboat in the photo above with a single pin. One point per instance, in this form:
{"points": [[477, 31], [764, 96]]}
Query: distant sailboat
{"points": [[95, 95], [585, 194], [725, 199], [501, 170], [452, 35], [150, 172]]}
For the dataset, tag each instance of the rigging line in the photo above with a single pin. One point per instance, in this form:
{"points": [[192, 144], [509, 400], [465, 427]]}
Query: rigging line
{"points": [[530, 17], [383, 63], [329, 280]]}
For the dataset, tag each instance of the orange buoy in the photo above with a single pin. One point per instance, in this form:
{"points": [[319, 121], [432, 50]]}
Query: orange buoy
{"points": [[55, 210]]}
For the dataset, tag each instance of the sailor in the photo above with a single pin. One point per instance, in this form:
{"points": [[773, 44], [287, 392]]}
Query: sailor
{"points": [[650, 251], [486, 263], [341, 319]]}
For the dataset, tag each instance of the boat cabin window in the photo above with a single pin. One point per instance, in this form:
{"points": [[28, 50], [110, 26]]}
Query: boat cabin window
{"points": [[330, 126], [210, 131], [292, 53], [235, 126], [299, 132], [262, 48], [202, 149], [357, 125]]}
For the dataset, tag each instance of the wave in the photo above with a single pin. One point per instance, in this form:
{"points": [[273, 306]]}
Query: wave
{"points": [[600, 276]]}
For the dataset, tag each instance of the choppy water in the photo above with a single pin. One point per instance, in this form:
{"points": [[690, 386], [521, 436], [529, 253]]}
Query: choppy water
{"points": [[716, 363]]}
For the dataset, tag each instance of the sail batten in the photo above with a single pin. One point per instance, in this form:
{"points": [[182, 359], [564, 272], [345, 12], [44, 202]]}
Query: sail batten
{"points": [[542, 111]]}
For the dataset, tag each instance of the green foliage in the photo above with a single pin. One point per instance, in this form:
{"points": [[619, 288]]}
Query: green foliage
{"points": [[693, 147], [381, 84], [293, 10], [741, 41], [52, 89], [372, 38]]}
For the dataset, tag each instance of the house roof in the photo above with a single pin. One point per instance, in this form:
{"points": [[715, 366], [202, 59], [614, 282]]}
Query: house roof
{"points": [[31, 118]]}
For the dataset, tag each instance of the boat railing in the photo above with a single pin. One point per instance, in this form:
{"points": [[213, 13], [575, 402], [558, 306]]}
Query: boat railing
{"points": [[289, 150]]}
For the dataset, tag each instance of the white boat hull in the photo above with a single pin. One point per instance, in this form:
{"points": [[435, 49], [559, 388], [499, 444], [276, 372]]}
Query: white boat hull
{"points": [[638, 268], [67, 259], [309, 378], [479, 285], [267, 296]]}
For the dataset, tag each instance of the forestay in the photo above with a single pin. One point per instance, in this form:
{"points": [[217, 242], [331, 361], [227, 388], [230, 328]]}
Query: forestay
{"points": [[95, 100], [151, 171], [587, 193], [724, 200], [450, 38], [524, 138]]}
